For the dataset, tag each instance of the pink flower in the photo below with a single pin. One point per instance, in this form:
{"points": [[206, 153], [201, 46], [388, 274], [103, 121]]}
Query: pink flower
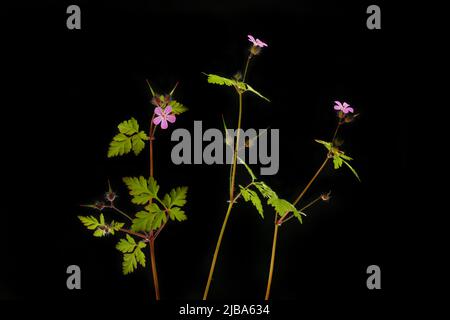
{"points": [[256, 42], [164, 115], [344, 107]]}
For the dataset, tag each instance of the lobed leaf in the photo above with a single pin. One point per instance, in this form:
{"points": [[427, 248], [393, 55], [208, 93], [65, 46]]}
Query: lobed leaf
{"points": [[177, 107], [176, 213], [215, 79], [129, 138], [250, 195], [141, 189]]}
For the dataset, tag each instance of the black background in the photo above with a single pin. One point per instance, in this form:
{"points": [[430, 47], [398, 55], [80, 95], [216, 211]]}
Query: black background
{"points": [[68, 89]]}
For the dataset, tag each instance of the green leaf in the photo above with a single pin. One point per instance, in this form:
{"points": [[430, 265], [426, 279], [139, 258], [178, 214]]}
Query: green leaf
{"points": [[129, 127], [141, 244], [326, 144], [153, 187], [265, 190], [129, 138], [166, 200], [250, 195], [102, 219], [129, 263], [353, 170], [141, 190], [119, 147], [160, 217], [177, 107], [176, 213], [215, 79], [248, 88], [89, 222], [132, 253], [344, 156], [126, 245], [144, 219], [337, 161], [140, 256], [99, 233], [138, 143], [283, 207], [178, 196], [115, 226]]}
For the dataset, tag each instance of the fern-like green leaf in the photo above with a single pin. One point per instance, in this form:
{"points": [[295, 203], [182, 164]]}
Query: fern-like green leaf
{"points": [[250, 195], [265, 190], [324, 143], [89, 222], [129, 138], [283, 207], [126, 245], [177, 213], [215, 79], [132, 254], [129, 127], [141, 189], [177, 107], [178, 197]]}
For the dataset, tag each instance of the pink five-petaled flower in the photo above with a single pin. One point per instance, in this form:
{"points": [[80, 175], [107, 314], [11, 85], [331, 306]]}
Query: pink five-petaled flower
{"points": [[344, 107], [256, 42], [164, 115]]}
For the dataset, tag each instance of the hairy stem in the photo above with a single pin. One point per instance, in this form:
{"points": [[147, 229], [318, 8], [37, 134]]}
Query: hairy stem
{"points": [[230, 205], [154, 272], [335, 132], [246, 67], [136, 234], [236, 149], [300, 196], [280, 221], [216, 251], [152, 236], [151, 137], [272, 261]]}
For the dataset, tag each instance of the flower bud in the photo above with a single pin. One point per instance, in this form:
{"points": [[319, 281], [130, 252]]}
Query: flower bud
{"points": [[110, 196], [255, 50], [325, 196], [100, 205]]}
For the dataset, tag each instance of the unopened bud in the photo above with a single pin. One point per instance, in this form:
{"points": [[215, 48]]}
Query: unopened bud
{"points": [[100, 205], [254, 50], [110, 196], [325, 196]]}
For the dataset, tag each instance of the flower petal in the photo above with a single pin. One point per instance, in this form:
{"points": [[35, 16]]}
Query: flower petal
{"points": [[164, 124], [157, 120], [338, 103], [159, 111], [349, 109], [338, 107], [345, 104], [251, 39], [171, 118], [168, 110], [261, 44]]}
